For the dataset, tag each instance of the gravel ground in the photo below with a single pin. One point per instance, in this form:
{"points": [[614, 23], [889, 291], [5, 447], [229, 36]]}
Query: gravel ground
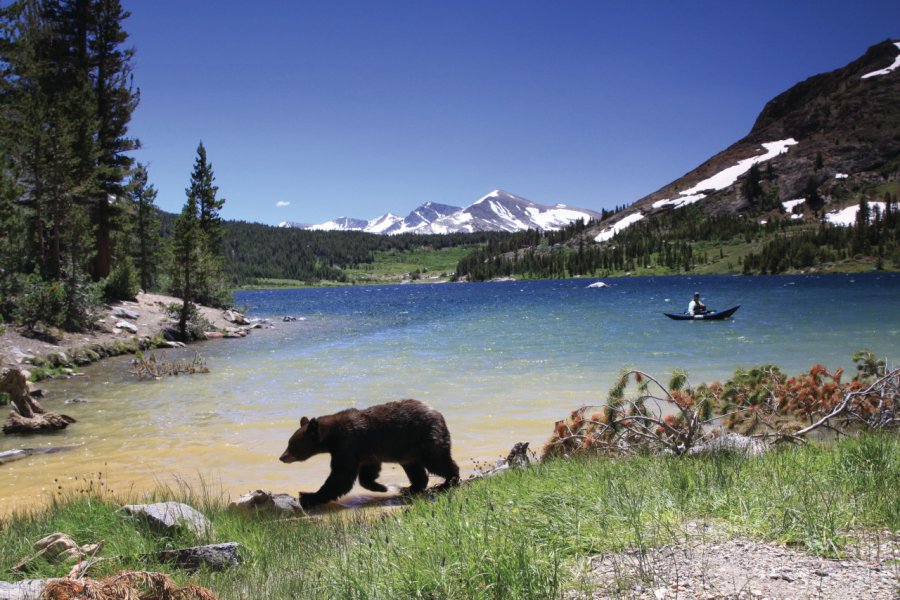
{"points": [[740, 568]]}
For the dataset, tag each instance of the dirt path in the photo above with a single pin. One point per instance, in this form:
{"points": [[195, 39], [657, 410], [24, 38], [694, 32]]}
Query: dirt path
{"points": [[740, 568]]}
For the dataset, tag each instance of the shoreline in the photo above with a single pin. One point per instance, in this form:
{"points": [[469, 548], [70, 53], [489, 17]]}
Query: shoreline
{"points": [[124, 327]]}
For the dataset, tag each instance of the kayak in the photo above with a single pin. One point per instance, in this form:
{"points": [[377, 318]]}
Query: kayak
{"points": [[713, 315]]}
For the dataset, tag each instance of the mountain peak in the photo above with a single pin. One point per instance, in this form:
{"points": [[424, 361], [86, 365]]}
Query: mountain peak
{"points": [[498, 210]]}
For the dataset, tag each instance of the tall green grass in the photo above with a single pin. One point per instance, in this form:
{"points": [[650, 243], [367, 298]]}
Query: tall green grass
{"points": [[521, 535]]}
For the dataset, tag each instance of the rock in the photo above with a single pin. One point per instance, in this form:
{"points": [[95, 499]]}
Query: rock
{"points": [[75, 401], [235, 332], [125, 313], [172, 344], [214, 556], [20, 355], [266, 501], [29, 589], [163, 517], [733, 442], [214, 335], [128, 326], [233, 316], [599, 284]]}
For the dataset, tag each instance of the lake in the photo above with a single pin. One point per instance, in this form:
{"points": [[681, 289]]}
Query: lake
{"points": [[502, 361]]}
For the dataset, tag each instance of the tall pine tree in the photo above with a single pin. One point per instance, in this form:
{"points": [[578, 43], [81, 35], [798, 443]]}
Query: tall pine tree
{"points": [[146, 227]]}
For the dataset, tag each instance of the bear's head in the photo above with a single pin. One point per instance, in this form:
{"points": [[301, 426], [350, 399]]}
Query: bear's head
{"points": [[304, 443]]}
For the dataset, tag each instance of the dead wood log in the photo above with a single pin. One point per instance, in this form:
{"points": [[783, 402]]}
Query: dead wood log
{"points": [[29, 415]]}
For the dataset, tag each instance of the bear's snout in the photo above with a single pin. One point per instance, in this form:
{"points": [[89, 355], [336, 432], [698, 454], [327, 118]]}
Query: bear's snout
{"points": [[287, 457]]}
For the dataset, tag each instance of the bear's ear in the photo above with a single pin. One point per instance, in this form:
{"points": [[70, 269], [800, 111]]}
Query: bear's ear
{"points": [[303, 422], [312, 427]]}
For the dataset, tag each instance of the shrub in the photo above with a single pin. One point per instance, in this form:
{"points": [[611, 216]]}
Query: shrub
{"points": [[122, 283], [43, 302], [196, 324]]}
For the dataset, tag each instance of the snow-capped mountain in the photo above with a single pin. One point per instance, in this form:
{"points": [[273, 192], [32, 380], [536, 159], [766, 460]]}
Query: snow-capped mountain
{"points": [[497, 211], [421, 218], [340, 224]]}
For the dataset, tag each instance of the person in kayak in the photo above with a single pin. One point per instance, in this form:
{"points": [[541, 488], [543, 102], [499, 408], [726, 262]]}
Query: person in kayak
{"points": [[696, 307]]}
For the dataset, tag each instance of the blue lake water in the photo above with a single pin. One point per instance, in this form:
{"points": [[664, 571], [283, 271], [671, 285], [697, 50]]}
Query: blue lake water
{"points": [[502, 361]]}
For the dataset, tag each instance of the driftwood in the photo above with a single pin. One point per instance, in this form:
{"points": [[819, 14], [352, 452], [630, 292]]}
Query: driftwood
{"points": [[29, 415], [130, 585], [7, 456]]}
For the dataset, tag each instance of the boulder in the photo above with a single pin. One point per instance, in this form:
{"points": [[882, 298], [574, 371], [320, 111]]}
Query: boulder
{"points": [[164, 517], [125, 313], [127, 326], [266, 502], [233, 316], [214, 556]]}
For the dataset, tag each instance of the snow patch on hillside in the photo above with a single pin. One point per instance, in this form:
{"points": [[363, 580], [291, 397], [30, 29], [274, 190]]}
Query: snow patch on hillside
{"points": [[895, 65], [721, 180], [727, 176], [847, 216], [790, 204], [609, 232]]}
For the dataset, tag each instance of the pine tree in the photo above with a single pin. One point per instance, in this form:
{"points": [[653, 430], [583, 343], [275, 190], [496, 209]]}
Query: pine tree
{"points": [[107, 63], [750, 187], [187, 248], [204, 191], [146, 227], [209, 286]]}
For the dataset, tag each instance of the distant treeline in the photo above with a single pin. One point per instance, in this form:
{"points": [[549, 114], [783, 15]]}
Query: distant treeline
{"points": [[254, 251]]}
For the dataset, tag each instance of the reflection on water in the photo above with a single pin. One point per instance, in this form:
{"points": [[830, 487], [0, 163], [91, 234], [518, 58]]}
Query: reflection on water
{"points": [[502, 361]]}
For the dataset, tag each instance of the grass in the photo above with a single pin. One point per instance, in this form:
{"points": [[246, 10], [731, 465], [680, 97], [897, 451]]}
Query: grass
{"points": [[520, 535], [395, 266]]}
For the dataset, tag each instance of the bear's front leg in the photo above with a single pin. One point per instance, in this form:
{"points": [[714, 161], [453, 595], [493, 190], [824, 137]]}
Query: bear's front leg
{"points": [[339, 482]]}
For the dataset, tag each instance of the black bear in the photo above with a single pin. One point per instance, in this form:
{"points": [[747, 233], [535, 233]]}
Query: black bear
{"points": [[408, 432]]}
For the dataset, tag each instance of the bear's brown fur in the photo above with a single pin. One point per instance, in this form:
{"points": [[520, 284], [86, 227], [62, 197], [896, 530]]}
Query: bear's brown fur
{"points": [[408, 432]]}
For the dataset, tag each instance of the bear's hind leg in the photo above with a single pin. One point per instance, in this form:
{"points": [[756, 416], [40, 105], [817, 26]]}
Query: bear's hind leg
{"points": [[418, 477], [444, 466], [367, 476]]}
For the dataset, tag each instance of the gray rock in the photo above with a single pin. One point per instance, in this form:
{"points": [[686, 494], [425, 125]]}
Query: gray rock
{"points": [[20, 355], [733, 442], [166, 516], [128, 326], [214, 556], [266, 501], [233, 316], [126, 314]]}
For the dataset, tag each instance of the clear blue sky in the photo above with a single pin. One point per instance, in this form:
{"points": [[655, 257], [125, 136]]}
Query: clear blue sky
{"points": [[344, 108]]}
